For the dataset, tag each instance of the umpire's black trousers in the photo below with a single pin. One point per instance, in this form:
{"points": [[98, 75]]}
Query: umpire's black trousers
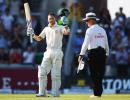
{"points": [[97, 59]]}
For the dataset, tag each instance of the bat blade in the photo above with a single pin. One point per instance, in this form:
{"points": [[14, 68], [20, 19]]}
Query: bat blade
{"points": [[28, 18], [28, 14]]}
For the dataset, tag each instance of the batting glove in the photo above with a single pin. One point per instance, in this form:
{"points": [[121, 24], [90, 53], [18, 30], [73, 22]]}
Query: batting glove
{"points": [[30, 31]]}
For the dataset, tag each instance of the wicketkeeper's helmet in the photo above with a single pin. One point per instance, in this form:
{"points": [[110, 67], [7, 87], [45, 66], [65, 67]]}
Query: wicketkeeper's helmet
{"points": [[63, 12]]}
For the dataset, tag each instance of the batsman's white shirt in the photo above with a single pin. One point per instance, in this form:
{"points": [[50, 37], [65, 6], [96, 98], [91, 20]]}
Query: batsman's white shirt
{"points": [[52, 59], [95, 36], [53, 36]]}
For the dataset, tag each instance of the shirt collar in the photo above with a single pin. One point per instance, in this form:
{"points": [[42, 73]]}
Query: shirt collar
{"points": [[54, 25], [94, 25]]}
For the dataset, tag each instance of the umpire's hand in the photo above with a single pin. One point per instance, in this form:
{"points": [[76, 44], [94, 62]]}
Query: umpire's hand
{"points": [[79, 58]]}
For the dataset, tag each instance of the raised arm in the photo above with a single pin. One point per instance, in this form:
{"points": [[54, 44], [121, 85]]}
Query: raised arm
{"points": [[40, 36], [37, 37], [30, 32]]}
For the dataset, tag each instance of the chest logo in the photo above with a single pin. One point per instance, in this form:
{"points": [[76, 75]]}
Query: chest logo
{"points": [[99, 35]]}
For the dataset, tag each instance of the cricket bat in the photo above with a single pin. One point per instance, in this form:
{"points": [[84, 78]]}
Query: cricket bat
{"points": [[28, 17]]}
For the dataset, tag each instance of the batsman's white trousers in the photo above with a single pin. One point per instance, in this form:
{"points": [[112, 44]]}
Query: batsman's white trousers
{"points": [[52, 61]]}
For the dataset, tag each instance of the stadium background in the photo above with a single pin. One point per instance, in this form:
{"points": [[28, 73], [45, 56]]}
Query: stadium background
{"points": [[19, 58]]}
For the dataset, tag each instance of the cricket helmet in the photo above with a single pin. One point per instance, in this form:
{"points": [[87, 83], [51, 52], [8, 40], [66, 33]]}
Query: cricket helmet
{"points": [[63, 12]]}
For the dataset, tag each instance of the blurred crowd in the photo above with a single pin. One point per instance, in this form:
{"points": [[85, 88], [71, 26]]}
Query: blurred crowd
{"points": [[16, 48]]}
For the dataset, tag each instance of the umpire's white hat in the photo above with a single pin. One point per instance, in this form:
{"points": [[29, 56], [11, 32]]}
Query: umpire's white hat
{"points": [[90, 15]]}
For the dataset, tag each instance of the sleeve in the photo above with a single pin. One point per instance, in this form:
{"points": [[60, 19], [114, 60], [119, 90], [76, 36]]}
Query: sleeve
{"points": [[107, 46], [85, 43], [43, 33]]}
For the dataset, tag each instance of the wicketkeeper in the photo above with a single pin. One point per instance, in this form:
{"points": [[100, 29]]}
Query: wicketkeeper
{"points": [[52, 60]]}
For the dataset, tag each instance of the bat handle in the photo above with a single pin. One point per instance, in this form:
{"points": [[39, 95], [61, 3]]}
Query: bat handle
{"points": [[29, 24], [31, 38]]}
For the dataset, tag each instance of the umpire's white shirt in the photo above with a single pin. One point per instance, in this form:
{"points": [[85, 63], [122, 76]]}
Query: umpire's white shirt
{"points": [[95, 36], [53, 36]]}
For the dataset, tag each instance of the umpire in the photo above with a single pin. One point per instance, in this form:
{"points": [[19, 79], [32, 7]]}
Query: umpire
{"points": [[96, 45]]}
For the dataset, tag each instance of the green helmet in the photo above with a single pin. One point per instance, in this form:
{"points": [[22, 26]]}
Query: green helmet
{"points": [[63, 20], [63, 12]]}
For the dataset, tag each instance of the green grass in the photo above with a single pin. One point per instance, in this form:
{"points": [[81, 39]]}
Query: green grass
{"points": [[63, 97]]}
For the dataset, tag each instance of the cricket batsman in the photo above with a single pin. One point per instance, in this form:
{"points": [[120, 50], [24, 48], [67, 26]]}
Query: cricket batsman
{"points": [[52, 60]]}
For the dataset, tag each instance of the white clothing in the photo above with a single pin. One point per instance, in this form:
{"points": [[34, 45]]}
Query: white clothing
{"points": [[52, 59], [95, 37], [53, 36]]}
